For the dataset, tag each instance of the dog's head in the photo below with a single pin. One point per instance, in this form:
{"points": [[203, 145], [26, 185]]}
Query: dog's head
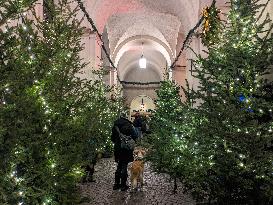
{"points": [[139, 153]]}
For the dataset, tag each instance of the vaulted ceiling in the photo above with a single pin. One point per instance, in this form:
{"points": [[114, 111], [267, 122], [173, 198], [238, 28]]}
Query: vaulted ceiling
{"points": [[158, 24]]}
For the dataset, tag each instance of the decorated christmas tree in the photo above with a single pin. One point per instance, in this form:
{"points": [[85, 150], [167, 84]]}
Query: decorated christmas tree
{"points": [[165, 124], [101, 111], [219, 142], [236, 107], [47, 112], [175, 147]]}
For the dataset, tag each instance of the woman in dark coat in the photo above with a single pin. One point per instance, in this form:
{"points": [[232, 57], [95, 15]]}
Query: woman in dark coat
{"points": [[139, 124], [122, 156]]}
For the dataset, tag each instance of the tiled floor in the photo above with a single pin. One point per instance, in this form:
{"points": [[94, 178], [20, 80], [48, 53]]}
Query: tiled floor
{"points": [[156, 191]]}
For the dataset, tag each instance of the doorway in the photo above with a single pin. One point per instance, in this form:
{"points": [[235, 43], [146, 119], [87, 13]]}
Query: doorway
{"points": [[143, 104]]}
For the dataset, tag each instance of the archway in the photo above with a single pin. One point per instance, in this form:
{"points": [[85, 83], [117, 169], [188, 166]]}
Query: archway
{"points": [[143, 104]]}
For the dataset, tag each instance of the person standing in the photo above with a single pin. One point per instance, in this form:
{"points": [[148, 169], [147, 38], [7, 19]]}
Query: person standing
{"points": [[122, 156], [138, 124]]}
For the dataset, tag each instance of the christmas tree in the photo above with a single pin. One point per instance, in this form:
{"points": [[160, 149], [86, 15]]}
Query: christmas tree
{"points": [[233, 100], [46, 111], [219, 142], [100, 113], [233, 96], [165, 125], [175, 125]]}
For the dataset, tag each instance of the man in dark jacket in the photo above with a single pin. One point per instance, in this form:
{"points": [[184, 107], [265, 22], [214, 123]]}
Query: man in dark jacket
{"points": [[122, 156], [139, 124]]}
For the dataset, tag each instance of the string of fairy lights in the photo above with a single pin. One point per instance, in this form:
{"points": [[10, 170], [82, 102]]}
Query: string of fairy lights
{"points": [[23, 25], [232, 127], [52, 164], [47, 110]]}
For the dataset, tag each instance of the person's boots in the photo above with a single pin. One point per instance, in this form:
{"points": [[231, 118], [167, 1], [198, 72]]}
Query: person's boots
{"points": [[90, 173], [117, 182], [124, 186]]}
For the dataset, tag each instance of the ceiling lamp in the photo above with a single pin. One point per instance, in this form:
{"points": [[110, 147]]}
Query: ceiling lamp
{"points": [[142, 60]]}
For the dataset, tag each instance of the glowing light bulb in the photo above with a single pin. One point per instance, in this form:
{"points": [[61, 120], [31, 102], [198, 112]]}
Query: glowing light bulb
{"points": [[142, 62]]}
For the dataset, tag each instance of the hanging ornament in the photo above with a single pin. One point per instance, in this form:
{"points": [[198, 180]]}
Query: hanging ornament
{"points": [[206, 17], [211, 25]]}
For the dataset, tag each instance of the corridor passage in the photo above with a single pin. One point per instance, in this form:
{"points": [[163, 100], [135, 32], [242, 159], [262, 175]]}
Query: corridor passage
{"points": [[156, 191]]}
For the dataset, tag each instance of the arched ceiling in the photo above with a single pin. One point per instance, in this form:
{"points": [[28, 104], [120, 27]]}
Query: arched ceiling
{"points": [[102, 10], [142, 31], [164, 27], [144, 45], [155, 22], [128, 66]]}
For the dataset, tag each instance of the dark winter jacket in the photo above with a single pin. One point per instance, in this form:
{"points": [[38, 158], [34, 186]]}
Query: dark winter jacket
{"points": [[138, 122], [126, 127]]}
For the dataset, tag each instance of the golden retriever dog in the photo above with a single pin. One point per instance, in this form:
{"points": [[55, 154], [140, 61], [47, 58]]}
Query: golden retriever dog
{"points": [[137, 168]]}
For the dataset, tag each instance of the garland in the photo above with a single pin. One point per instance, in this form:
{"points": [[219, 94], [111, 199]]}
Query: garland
{"points": [[140, 83], [89, 19]]}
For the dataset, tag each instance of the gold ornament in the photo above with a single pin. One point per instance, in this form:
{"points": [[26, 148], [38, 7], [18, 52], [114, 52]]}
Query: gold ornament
{"points": [[205, 14], [208, 17]]}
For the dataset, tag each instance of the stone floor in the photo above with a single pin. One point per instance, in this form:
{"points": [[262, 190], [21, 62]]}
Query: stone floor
{"points": [[157, 189]]}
